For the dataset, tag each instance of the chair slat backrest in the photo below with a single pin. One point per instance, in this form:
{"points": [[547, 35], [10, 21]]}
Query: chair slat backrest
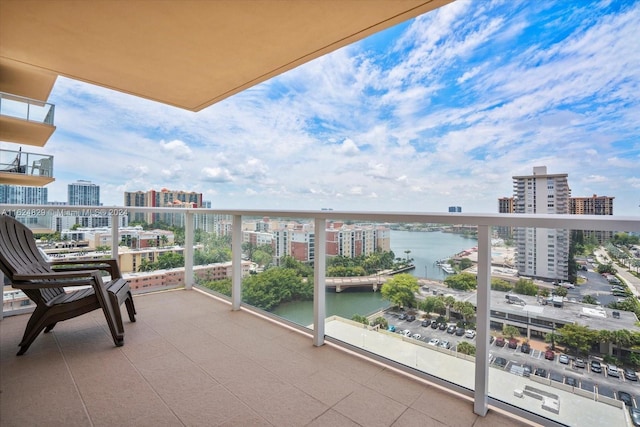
{"points": [[20, 255]]}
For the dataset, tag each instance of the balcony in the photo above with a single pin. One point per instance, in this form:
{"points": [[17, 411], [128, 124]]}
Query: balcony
{"points": [[24, 168], [190, 360], [198, 358], [25, 121]]}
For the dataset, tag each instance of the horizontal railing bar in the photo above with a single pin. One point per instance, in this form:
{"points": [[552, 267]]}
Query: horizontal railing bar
{"points": [[554, 221]]}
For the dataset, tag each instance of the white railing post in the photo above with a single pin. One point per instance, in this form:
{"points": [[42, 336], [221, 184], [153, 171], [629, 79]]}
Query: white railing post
{"points": [[481, 390], [188, 250], [319, 287], [115, 238], [236, 261]]}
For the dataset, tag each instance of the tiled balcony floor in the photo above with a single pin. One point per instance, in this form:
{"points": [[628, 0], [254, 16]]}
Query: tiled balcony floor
{"points": [[190, 360]]}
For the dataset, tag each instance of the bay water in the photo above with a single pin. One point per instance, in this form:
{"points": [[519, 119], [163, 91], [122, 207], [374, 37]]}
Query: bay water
{"points": [[424, 247]]}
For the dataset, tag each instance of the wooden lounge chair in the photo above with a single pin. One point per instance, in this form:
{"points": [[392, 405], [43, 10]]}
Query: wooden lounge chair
{"points": [[26, 269]]}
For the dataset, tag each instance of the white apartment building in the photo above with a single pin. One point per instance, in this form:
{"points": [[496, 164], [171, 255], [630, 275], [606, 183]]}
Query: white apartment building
{"points": [[542, 253]]}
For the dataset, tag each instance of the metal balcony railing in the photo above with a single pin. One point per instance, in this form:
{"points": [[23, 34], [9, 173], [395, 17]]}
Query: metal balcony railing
{"points": [[26, 108], [475, 381], [26, 163]]}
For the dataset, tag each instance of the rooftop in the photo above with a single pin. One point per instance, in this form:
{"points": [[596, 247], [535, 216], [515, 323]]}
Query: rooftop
{"points": [[190, 360]]}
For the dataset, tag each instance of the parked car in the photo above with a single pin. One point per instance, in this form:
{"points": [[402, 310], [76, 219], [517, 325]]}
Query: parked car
{"points": [[411, 318], [513, 343], [391, 328], [564, 359], [406, 333], [426, 322], [541, 373], [434, 325], [571, 381], [442, 326], [626, 398], [402, 316], [526, 370], [470, 333], [596, 366], [525, 348], [612, 371], [500, 361], [451, 329], [416, 336], [634, 413], [630, 374], [445, 344], [459, 332], [579, 363], [549, 355], [500, 342], [434, 341], [491, 339]]}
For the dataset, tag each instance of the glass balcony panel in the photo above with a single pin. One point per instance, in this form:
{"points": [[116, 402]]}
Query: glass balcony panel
{"points": [[26, 108], [512, 381], [26, 163]]}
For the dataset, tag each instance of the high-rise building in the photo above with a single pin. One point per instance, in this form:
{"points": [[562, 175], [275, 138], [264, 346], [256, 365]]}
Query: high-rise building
{"points": [[594, 205], [163, 199], [542, 253], [22, 195], [83, 193], [505, 205]]}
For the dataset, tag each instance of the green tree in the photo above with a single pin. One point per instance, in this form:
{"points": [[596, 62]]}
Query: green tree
{"points": [[448, 301], [222, 286], [465, 263], [510, 331], [146, 265], [432, 304], [275, 286], [382, 321], [465, 308], [170, 260], [606, 268], [500, 285], [525, 287], [622, 338], [578, 337], [360, 319], [560, 291], [300, 268], [461, 281], [589, 299], [401, 290], [466, 348]]}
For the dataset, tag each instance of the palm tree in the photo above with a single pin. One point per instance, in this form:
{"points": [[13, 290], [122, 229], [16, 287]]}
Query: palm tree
{"points": [[622, 338], [448, 301]]}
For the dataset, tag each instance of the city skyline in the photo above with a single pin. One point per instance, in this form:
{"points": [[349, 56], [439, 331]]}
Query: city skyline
{"points": [[440, 111]]}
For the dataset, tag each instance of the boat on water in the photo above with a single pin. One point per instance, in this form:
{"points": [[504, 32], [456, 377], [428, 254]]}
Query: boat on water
{"points": [[447, 268]]}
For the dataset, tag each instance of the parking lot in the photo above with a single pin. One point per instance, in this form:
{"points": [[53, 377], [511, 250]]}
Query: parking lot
{"points": [[513, 360]]}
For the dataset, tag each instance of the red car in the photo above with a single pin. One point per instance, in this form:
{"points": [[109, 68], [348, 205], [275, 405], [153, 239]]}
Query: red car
{"points": [[549, 355]]}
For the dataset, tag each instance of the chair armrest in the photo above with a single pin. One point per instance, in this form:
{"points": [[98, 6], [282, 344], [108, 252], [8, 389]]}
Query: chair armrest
{"points": [[109, 265], [57, 279]]}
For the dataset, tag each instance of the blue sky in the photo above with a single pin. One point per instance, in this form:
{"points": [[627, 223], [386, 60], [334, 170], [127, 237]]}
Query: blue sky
{"points": [[442, 110]]}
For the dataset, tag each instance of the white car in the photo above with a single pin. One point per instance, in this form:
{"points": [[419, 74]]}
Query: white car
{"points": [[433, 341], [416, 336], [406, 333], [470, 333], [612, 371], [444, 344]]}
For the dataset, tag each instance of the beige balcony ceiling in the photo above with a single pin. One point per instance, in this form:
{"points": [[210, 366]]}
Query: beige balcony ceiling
{"points": [[189, 53]]}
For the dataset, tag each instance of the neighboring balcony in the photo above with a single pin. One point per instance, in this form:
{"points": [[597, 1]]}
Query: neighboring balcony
{"points": [[24, 168], [25, 121]]}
